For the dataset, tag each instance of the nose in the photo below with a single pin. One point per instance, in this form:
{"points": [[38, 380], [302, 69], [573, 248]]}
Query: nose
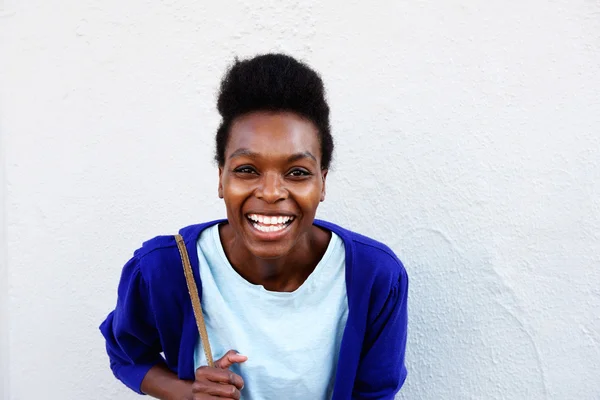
{"points": [[271, 188]]}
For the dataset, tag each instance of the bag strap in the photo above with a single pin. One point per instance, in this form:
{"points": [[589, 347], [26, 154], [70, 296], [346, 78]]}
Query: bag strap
{"points": [[196, 305]]}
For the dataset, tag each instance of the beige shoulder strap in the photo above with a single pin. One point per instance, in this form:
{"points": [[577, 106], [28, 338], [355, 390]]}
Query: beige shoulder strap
{"points": [[196, 305]]}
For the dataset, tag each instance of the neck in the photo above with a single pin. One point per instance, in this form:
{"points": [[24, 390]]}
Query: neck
{"points": [[283, 274]]}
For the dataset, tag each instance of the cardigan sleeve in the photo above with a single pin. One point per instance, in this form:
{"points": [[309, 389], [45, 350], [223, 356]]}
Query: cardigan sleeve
{"points": [[381, 372], [132, 340]]}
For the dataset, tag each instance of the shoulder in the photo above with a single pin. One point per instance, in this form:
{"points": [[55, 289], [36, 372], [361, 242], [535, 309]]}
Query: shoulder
{"points": [[158, 257], [370, 258]]}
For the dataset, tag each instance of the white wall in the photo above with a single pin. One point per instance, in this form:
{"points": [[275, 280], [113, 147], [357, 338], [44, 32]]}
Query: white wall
{"points": [[468, 137], [4, 320]]}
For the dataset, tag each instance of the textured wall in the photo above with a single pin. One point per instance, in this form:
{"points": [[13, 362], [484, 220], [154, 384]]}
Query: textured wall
{"points": [[468, 138]]}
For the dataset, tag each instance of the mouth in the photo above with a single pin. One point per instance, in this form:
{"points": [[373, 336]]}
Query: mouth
{"points": [[270, 226]]}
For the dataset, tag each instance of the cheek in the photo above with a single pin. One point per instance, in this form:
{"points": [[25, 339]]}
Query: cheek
{"points": [[310, 197], [234, 189]]}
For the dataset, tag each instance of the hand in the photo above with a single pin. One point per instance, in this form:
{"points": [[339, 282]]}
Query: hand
{"points": [[219, 382]]}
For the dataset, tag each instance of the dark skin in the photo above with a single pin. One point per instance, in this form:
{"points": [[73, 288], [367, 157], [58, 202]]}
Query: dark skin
{"points": [[272, 168]]}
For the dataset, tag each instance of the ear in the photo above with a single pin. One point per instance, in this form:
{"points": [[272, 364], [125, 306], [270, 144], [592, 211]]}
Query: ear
{"points": [[220, 182], [324, 177]]}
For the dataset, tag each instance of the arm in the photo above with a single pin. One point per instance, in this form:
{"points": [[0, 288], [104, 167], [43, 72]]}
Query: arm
{"points": [[381, 372], [162, 383], [132, 340], [133, 346]]}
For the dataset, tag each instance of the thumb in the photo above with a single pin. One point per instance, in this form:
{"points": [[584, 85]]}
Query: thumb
{"points": [[230, 358]]}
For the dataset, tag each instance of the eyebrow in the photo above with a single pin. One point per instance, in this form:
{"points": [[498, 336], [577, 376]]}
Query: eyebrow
{"points": [[250, 154]]}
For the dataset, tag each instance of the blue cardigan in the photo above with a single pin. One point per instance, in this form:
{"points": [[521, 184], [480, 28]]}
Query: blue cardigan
{"points": [[154, 315]]}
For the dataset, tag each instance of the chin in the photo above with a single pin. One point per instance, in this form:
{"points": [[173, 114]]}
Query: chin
{"points": [[270, 251]]}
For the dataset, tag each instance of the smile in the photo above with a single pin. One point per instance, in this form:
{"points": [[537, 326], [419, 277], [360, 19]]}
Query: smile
{"points": [[270, 223]]}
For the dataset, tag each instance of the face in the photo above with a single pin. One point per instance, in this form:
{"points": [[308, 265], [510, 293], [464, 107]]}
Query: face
{"points": [[272, 181]]}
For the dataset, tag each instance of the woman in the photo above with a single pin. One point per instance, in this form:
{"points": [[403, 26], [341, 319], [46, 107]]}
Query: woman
{"points": [[295, 308]]}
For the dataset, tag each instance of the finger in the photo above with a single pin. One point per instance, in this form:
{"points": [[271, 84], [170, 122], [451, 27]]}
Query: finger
{"points": [[220, 376], [230, 358], [219, 390], [202, 396]]}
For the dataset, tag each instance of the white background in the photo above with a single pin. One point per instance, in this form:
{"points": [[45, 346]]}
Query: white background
{"points": [[468, 139]]}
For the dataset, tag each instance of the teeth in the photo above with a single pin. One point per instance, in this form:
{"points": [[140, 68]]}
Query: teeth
{"points": [[269, 224], [266, 220], [271, 228]]}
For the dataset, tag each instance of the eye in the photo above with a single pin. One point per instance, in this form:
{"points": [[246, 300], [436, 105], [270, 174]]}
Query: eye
{"points": [[299, 173], [245, 170]]}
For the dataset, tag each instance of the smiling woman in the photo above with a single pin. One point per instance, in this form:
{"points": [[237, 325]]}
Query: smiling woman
{"points": [[318, 311], [272, 171]]}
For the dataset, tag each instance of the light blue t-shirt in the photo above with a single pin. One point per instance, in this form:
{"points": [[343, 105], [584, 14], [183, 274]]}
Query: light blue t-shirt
{"points": [[292, 339]]}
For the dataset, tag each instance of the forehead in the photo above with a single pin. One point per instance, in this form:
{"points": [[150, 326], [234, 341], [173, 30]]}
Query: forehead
{"points": [[273, 132]]}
